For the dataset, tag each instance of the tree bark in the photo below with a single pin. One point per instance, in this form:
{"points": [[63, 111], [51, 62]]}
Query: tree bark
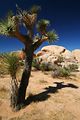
{"points": [[25, 77], [14, 92]]}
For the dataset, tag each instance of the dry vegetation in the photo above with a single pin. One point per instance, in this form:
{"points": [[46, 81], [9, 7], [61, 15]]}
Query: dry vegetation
{"points": [[47, 98]]}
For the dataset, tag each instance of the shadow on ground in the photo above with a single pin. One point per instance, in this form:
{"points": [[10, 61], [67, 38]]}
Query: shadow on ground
{"points": [[45, 94]]}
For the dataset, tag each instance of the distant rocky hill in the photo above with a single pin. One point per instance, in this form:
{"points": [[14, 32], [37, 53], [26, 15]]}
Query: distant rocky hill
{"points": [[51, 54]]}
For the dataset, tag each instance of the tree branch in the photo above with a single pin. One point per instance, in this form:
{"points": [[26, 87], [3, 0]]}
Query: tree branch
{"points": [[25, 39], [29, 21], [19, 36], [39, 42]]}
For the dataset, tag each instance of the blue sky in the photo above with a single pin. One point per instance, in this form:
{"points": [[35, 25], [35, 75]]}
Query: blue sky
{"points": [[63, 14]]}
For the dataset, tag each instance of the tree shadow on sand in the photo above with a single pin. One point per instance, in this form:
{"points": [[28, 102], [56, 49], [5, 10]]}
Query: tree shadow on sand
{"points": [[48, 90]]}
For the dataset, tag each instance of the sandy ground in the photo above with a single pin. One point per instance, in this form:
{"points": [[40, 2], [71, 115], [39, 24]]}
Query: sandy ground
{"points": [[51, 98]]}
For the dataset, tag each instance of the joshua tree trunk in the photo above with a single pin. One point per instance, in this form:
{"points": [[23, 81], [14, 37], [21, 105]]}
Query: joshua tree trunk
{"points": [[14, 92], [25, 77]]}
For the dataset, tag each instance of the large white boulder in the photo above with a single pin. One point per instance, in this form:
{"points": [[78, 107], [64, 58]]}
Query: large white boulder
{"points": [[51, 53]]}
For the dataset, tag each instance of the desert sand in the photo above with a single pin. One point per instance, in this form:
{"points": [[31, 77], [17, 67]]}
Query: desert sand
{"points": [[47, 98]]}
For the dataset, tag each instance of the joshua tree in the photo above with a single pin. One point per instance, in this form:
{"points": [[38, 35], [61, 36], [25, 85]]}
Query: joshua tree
{"points": [[11, 27]]}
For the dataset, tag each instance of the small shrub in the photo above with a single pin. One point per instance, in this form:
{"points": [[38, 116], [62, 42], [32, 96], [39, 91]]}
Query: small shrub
{"points": [[36, 63], [55, 67], [73, 67], [61, 72], [46, 66], [55, 73], [65, 72]]}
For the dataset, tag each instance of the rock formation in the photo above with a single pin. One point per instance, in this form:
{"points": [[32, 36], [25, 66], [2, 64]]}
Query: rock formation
{"points": [[76, 54], [52, 53]]}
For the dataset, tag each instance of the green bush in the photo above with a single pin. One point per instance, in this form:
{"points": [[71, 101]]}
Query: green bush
{"points": [[45, 66], [73, 67], [65, 72], [61, 72]]}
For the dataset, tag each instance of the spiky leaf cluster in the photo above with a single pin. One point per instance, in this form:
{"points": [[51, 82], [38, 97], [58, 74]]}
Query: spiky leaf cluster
{"points": [[52, 36], [42, 26], [27, 17], [12, 64], [7, 25], [34, 9]]}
